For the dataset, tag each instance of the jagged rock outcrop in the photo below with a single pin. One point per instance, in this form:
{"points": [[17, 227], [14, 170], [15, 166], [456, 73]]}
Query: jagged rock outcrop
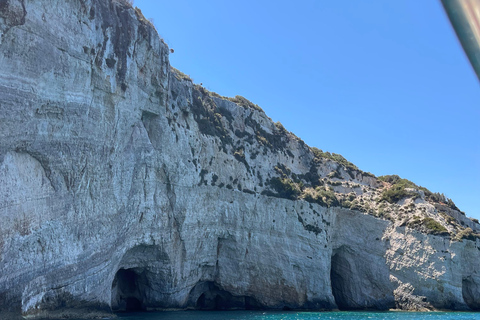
{"points": [[123, 185]]}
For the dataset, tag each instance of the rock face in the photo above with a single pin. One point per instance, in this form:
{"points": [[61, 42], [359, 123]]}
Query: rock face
{"points": [[125, 186]]}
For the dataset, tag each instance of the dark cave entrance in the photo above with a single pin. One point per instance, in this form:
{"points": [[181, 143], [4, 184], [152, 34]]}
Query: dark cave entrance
{"points": [[216, 300], [128, 291], [211, 297], [341, 279], [358, 283], [470, 293]]}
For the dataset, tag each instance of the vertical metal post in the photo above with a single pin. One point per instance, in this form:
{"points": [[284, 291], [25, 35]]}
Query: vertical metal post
{"points": [[465, 18]]}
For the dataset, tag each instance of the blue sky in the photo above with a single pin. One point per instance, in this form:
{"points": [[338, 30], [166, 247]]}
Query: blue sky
{"points": [[384, 83]]}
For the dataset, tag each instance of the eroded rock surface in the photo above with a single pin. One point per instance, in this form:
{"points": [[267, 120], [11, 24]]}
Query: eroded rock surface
{"points": [[124, 186]]}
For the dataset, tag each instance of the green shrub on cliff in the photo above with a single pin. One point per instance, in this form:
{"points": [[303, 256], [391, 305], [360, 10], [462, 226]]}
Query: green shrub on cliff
{"points": [[396, 193], [280, 127], [467, 234], [434, 226], [208, 119], [429, 225], [322, 196], [285, 188], [244, 102], [398, 190], [180, 75], [396, 180], [126, 2], [335, 157]]}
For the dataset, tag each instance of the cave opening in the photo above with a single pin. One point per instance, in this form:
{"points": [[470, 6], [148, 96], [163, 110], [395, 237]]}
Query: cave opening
{"points": [[341, 278], [470, 291], [128, 291], [359, 281], [208, 296], [215, 300]]}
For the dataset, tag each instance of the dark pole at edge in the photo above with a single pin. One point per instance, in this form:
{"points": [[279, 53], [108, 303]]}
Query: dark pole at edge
{"points": [[467, 27]]}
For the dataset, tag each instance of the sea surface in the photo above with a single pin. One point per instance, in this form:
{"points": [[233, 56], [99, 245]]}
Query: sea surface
{"points": [[294, 315]]}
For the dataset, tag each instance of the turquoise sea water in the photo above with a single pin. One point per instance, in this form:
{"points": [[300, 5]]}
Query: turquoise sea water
{"points": [[293, 315]]}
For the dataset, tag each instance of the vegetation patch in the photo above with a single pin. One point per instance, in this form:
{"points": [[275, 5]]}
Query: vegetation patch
{"points": [[242, 134], [319, 154], [282, 170], [349, 167], [467, 234], [439, 198], [335, 174], [396, 180], [208, 118], [281, 128], [311, 178], [399, 184], [284, 187], [291, 186], [398, 190], [434, 226], [356, 205], [141, 17], [334, 183], [448, 218], [397, 193], [243, 102], [322, 196], [226, 114], [428, 225], [381, 213], [275, 141], [239, 154], [180, 75], [239, 100]]}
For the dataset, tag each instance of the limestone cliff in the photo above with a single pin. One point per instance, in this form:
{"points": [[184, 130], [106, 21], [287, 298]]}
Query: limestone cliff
{"points": [[124, 185]]}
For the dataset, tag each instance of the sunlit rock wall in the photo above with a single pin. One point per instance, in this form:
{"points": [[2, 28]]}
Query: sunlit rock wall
{"points": [[124, 186]]}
